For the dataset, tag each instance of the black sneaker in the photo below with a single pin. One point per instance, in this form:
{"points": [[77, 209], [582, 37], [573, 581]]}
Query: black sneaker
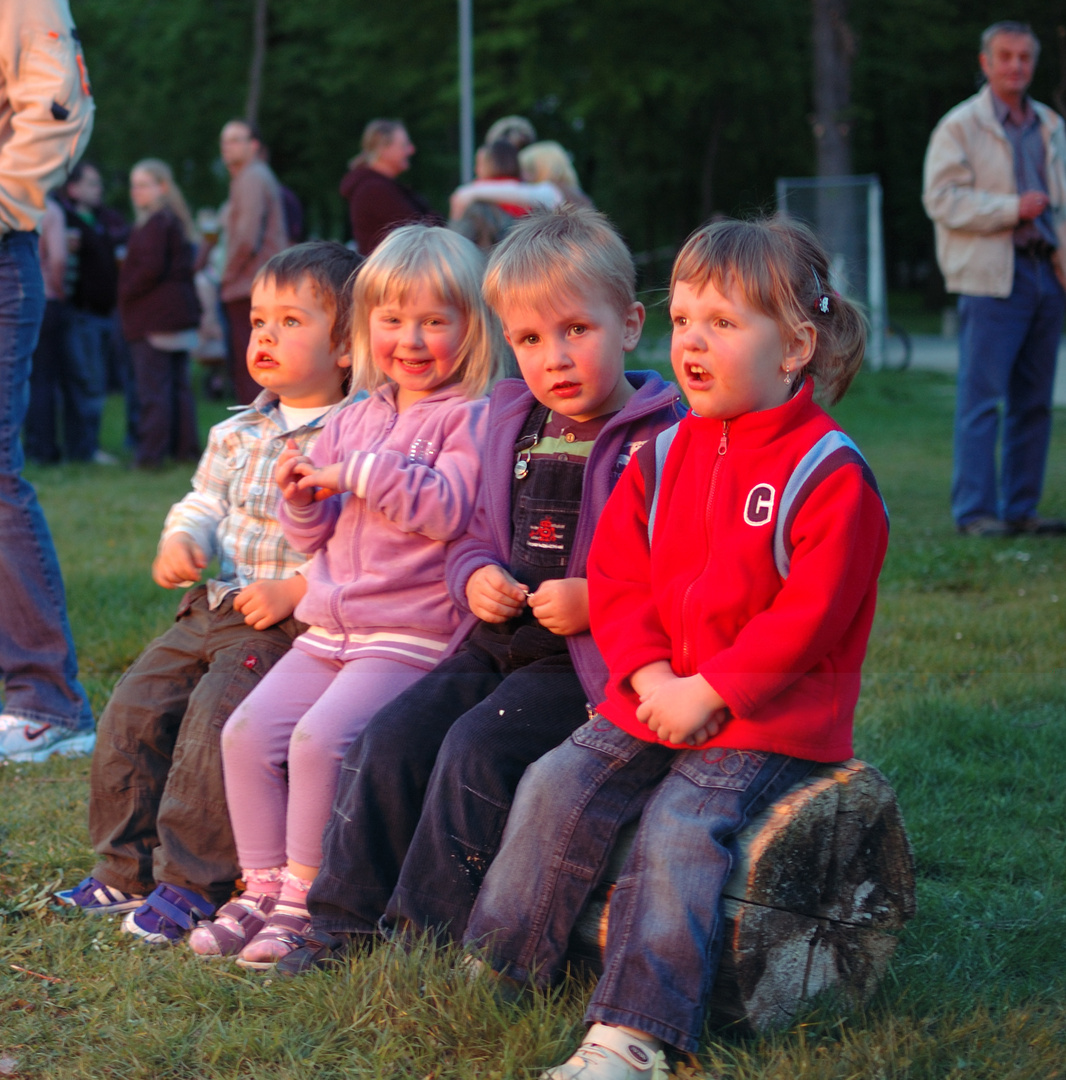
{"points": [[317, 949], [1038, 526]]}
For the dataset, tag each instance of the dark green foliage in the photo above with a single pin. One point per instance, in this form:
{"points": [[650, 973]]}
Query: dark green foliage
{"points": [[673, 110]]}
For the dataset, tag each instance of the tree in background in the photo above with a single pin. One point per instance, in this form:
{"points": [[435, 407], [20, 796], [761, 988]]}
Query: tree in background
{"points": [[673, 111]]}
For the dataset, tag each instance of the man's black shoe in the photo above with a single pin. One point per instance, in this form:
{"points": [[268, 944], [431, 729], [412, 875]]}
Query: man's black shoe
{"points": [[1038, 526]]}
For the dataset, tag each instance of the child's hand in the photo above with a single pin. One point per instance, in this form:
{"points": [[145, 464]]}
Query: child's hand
{"points": [[179, 563], [561, 605], [493, 595], [265, 603], [684, 710], [322, 483], [290, 467]]}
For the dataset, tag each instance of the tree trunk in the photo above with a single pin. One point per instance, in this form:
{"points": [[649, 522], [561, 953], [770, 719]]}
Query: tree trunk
{"points": [[255, 71], [823, 881], [834, 51]]}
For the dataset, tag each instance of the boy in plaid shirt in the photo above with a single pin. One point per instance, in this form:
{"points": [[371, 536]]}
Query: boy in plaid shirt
{"points": [[157, 807]]}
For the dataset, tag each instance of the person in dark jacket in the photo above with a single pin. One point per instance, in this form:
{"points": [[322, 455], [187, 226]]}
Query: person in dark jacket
{"points": [[160, 312], [92, 274], [377, 202]]}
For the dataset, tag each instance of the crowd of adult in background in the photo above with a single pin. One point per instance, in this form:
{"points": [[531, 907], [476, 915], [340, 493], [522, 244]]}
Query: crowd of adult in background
{"points": [[129, 308]]}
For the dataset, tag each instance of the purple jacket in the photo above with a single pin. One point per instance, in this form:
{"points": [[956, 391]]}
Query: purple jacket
{"points": [[656, 405], [379, 547]]}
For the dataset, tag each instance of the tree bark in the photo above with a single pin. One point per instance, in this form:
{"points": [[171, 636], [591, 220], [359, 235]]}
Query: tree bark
{"points": [[255, 71], [834, 51]]}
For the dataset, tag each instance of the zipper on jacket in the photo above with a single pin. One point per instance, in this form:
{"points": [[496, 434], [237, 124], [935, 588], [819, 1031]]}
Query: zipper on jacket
{"points": [[686, 651]]}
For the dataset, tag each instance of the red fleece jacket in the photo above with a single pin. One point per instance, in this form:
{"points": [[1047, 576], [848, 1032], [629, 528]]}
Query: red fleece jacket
{"points": [[780, 634]]}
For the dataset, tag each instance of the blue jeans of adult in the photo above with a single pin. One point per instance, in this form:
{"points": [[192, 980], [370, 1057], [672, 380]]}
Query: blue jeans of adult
{"points": [[37, 659], [1007, 352], [87, 344], [425, 790], [664, 938]]}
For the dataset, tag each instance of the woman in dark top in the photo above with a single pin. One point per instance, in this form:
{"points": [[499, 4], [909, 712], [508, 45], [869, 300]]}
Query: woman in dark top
{"points": [[377, 202], [160, 312]]}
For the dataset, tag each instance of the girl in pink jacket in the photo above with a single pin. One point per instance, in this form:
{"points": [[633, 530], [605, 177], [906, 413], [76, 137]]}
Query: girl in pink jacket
{"points": [[389, 485]]}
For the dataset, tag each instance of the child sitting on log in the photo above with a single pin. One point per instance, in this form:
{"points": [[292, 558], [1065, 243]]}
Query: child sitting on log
{"points": [[732, 586]]}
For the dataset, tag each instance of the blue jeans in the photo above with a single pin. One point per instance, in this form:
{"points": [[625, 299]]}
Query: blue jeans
{"points": [[1007, 353], [425, 790], [88, 342], [664, 939], [37, 658]]}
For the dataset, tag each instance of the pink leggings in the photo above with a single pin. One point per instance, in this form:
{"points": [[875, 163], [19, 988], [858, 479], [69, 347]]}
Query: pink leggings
{"points": [[306, 712]]}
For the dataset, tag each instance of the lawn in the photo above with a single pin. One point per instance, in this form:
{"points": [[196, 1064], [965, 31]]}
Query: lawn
{"points": [[963, 708]]}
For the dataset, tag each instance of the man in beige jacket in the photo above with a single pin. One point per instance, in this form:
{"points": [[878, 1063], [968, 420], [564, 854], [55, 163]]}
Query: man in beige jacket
{"points": [[255, 231], [995, 187], [46, 113]]}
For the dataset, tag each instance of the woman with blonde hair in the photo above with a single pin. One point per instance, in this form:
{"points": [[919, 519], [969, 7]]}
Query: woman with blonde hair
{"points": [[160, 312], [377, 201]]}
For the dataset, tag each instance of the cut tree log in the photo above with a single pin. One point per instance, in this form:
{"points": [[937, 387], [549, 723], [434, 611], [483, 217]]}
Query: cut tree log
{"points": [[824, 881]]}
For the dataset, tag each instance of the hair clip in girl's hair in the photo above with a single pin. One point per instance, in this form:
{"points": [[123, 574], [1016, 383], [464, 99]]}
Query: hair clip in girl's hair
{"points": [[822, 303]]}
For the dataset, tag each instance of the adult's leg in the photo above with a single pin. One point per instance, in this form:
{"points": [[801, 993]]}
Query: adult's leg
{"points": [[479, 766], [196, 848], [135, 747], [664, 937], [1027, 423], [39, 430], [153, 378], [322, 738], [382, 783], [185, 445], [991, 333], [86, 379], [238, 314], [37, 658]]}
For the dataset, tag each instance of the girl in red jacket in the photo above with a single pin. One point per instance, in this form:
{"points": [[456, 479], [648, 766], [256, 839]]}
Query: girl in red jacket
{"points": [[732, 585]]}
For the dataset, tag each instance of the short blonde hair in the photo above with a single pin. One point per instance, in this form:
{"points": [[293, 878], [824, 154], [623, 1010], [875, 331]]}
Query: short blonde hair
{"points": [[452, 266], [569, 250], [783, 272]]}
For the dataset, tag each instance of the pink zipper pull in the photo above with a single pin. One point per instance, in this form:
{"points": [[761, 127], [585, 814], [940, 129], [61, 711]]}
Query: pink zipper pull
{"points": [[724, 443]]}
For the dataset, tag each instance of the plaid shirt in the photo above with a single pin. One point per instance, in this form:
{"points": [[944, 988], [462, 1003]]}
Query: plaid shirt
{"points": [[232, 510]]}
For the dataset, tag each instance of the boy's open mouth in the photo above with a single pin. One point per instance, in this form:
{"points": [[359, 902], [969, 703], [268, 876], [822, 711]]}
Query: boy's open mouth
{"points": [[264, 359], [696, 373]]}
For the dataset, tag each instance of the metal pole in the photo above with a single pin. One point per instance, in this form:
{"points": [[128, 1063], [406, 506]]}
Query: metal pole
{"points": [[466, 93]]}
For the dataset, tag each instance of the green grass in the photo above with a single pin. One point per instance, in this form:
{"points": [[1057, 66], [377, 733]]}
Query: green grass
{"points": [[964, 708]]}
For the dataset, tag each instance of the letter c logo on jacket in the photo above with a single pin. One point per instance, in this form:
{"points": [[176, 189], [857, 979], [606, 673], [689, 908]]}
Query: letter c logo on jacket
{"points": [[759, 507]]}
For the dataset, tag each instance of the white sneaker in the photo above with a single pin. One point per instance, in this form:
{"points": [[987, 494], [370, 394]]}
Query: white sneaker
{"points": [[28, 740], [609, 1053]]}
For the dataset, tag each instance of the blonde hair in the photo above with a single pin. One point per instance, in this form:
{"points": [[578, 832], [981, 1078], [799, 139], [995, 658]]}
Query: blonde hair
{"points": [[452, 267], [172, 198], [547, 161], [783, 272], [569, 250], [376, 136]]}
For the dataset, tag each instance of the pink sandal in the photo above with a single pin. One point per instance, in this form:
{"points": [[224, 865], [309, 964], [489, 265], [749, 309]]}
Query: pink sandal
{"points": [[283, 933], [234, 926]]}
